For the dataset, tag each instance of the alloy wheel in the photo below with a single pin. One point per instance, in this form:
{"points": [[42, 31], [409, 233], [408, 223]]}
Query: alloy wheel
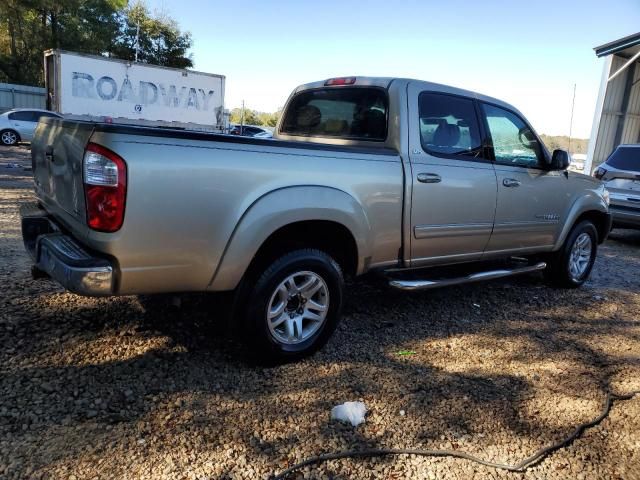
{"points": [[580, 256], [298, 307]]}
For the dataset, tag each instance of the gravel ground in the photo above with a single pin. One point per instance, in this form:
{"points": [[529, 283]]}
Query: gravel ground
{"points": [[132, 388]]}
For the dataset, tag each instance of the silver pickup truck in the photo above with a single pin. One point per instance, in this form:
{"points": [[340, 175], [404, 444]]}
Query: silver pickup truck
{"points": [[427, 184]]}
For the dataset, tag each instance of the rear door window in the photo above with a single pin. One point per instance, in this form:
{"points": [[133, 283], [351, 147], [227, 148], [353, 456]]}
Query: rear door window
{"points": [[46, 115], [25, 116], [449, 126], [357, 113], [625, 159]]}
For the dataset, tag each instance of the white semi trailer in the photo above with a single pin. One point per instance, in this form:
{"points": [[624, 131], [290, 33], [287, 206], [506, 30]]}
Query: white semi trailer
{"points": [[90, 87]]}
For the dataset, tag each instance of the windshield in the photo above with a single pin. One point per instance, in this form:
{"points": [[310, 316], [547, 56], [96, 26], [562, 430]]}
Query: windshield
{"points": [[354, 113]]}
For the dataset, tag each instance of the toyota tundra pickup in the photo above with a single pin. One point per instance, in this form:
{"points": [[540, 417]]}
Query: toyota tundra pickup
{"points": [[426, 184]]}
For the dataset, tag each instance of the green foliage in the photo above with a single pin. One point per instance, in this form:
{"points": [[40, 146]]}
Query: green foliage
{"points": [[253, 117], [250, 116], [102, 27], [160, 41], [578, 145]]}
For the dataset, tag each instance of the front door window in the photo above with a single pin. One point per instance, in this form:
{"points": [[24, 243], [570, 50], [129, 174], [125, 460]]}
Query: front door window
{"points": [[513, 141]]}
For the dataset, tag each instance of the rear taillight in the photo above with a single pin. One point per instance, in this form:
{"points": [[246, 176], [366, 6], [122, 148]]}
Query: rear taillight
{"points": [[599, 173], [105, 188]]}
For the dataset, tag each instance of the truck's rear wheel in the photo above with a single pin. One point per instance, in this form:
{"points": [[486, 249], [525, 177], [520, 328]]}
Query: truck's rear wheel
{"points": [[291, 309], [571, 265]]}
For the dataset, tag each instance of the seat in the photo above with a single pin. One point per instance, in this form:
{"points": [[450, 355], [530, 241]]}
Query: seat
{"points": [[371, 123], [336, 127], [446, 137]]}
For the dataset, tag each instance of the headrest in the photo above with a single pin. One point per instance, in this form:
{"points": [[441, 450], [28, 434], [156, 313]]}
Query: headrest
{"points": [[446, 135], [308, 116]]}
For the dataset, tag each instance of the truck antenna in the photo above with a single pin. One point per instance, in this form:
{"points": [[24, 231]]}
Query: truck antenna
{"points": [[573, 103]]}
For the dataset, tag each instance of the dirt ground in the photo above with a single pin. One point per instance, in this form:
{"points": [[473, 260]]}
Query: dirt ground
{"points": [[132, 388]]}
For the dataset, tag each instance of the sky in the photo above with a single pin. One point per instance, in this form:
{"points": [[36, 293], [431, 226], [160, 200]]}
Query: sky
{"points": [[528, 53]]}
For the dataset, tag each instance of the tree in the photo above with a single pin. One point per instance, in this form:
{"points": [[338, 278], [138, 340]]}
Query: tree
{"points": [[269, 119], [28, 27], [250, 116], [160, 41], [253, 117], [100, 27]]}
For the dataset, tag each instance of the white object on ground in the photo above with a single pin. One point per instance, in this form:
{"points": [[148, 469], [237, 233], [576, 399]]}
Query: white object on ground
{"points": [[352, 412]]}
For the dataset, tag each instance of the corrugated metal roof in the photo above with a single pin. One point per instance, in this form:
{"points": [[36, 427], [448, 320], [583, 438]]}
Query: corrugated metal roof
{"points": [[628, 42]]}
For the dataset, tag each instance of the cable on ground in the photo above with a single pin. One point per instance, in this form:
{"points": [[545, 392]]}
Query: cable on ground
{"points": [[518, 467]]}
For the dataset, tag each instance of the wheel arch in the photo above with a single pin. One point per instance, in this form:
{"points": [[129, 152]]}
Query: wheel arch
{"points": [[587, 209], [296, 217]]}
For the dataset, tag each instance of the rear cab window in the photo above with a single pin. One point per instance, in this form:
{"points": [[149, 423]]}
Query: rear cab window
{"points": [[356, 113], [625, 158]]}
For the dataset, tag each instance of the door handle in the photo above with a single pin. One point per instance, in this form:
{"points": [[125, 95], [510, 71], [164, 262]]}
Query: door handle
{"points": [[429, 178], [511, 182], [48, 153]]}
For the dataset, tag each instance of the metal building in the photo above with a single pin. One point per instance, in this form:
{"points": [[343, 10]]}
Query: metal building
{"points": [[617, 115], [21, 96]]}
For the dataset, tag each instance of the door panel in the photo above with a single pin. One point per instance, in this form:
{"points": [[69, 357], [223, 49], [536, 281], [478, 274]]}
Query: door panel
{"points": [[528, 215], [453, 189], [26, 129], [24, 122], [531, 199]]}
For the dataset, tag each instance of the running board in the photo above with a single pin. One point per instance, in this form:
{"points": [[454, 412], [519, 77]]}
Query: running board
{"points": [[474, 277]]}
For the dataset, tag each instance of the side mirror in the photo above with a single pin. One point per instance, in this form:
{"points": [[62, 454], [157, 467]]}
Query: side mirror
{"points": [[560, 160]]}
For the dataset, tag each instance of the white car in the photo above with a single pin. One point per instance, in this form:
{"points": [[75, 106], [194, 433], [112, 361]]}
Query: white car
{"points": [[19, 124]]}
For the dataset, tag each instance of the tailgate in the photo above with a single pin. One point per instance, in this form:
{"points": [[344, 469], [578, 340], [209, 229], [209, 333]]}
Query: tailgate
{"points": [[57, 151], [625, 192]]}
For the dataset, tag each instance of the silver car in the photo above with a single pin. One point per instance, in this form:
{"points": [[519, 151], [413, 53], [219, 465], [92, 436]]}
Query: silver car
{"points": [[19, 125], [621, 174]]}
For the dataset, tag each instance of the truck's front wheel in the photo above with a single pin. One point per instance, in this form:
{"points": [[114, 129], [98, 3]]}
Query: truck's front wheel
{"points": [[571, 265], [294, 306]]}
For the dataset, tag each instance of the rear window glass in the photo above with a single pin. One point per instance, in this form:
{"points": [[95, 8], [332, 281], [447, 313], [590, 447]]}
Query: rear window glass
{"points": [[354, 113], [625, 159]]}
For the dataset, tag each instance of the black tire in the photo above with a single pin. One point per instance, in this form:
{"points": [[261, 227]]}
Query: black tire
{"points": [[9, 137], [558, 271], [255, 295]]}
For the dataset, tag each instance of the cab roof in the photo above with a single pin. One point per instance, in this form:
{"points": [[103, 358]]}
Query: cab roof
{"points": [[386, 82]]}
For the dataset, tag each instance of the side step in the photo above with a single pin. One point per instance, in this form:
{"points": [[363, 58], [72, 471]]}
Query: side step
{"points": [[474, 277]]}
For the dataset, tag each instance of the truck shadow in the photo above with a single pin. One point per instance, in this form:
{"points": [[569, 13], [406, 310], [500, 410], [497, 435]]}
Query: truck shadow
{"points": [[101, 372], [625, 237]]}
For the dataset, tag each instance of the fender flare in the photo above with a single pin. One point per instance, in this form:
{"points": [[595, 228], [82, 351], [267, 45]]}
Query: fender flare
{"points": [[279, 208], [591, 202]]}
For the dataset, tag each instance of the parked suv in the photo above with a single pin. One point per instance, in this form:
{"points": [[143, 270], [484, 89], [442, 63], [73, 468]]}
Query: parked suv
{"points": [[621, 174], [20, 124]]}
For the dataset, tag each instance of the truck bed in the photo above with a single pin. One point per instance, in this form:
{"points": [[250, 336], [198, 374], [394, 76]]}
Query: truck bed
{"points": [[189, 194]]}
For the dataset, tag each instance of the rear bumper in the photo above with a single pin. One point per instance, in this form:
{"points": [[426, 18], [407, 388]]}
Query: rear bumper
{"points": [[625, 217], [63, 258]]}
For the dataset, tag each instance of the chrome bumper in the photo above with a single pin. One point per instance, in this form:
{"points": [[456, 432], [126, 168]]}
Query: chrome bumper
{"points": [[63, 258]]}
